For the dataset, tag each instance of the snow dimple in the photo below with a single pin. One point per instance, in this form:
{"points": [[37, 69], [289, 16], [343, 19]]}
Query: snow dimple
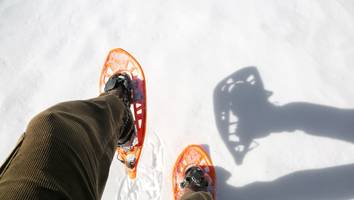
{"points": [[148, 183]]}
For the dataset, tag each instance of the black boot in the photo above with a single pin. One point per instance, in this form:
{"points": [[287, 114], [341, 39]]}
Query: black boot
{"points": [[195, 179], [120, 85]]}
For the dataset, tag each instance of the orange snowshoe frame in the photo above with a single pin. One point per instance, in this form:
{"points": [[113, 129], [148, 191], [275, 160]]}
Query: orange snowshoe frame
{"points": [[120, 61], [192, 155]]}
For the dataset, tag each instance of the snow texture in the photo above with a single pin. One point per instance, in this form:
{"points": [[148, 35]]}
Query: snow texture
{"points": [[281, 129]]}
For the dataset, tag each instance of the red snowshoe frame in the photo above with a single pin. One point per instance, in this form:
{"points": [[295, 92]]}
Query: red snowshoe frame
{"points": [[192, 155], [120, 61]]}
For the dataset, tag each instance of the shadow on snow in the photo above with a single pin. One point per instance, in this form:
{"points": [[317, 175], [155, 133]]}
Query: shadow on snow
{"points": [[244, 113]]}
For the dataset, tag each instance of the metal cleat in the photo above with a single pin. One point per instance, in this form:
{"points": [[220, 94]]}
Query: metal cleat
{"points": [[131, 161]]}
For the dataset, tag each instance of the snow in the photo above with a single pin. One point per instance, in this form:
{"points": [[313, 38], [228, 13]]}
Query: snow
{"points": [[52, 51]]}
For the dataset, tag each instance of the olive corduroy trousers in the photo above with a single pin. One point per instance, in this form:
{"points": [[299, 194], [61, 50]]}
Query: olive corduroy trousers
{"points": [[66, 152]]}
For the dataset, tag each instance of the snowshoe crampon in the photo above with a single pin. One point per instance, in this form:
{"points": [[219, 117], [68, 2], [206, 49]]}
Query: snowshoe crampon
{"points": [[120, 61]]}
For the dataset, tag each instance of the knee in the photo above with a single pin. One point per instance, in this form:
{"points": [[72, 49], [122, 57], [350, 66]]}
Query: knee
{"points": [[45, 121]]}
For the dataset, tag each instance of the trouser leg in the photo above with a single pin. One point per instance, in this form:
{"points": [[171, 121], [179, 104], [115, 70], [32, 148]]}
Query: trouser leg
{"points": [[197, 196], [66, 151]]}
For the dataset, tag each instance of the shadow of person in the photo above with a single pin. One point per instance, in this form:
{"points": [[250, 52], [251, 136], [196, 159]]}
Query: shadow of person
{"points": [[243, 113], [333, 183], [223, 189]]}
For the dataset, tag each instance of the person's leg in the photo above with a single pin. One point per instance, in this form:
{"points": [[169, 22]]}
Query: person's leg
{"points": [[66, 151], [197, 196]]}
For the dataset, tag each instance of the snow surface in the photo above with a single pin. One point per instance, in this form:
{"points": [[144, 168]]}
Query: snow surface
{"points": [[52, 51]]}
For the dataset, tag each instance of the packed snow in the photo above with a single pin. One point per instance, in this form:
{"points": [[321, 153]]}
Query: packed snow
{"points": [[265, 86]]}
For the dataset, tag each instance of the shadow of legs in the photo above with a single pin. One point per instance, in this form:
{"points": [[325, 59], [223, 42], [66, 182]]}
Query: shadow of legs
{"points": [[334, 183]]}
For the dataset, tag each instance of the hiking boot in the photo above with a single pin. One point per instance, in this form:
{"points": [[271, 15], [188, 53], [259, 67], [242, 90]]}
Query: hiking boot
{"points": [[195, 180], [120, 85]]}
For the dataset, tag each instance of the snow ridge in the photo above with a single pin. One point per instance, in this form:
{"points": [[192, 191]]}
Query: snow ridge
{"points": [[148, 184]]}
